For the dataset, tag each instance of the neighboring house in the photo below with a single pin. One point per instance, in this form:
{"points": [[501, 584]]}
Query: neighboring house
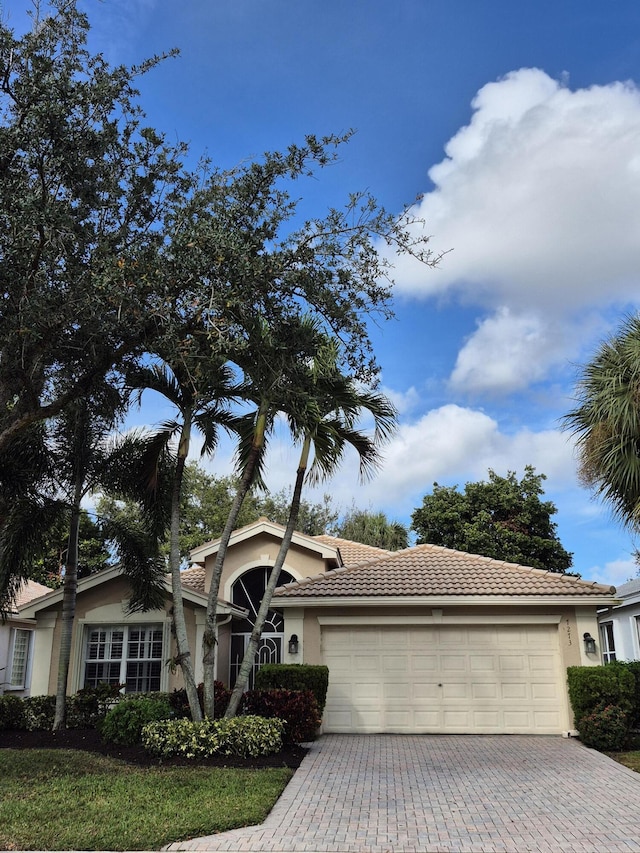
{"points": [[16, 643], [620, 625], [421, 640]]}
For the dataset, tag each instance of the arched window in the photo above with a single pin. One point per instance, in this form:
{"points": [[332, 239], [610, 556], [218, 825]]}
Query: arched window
{"points": [[247, 592]]}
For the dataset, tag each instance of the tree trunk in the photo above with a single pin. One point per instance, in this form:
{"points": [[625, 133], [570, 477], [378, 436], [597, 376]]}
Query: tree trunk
{"points": [[265, 604], [209, 640], [180, 627], [69, 595]]}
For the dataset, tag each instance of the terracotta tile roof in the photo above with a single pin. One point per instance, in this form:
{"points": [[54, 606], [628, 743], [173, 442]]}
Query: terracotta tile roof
{"points": [[193, 577], [429, 570], [353, 553], [30, 590]]}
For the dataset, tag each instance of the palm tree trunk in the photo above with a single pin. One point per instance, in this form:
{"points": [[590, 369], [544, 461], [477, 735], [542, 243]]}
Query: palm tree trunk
{"points": [[69, 595], [265, 604], [209, 639], [182, 642]]}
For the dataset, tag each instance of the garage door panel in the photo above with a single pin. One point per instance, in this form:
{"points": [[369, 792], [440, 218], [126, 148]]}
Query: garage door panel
{"points": [[367, 690], [544, 690], [424, 663], [484, 690], [426, 690], [395, 663], [367, 663], [453, 663], [541, 663], [475, 681], [514, 690], [455, 690], [482, 663]]}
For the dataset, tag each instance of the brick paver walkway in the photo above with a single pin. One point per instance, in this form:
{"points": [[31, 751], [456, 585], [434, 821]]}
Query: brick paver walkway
{"points": [[440, 794]]}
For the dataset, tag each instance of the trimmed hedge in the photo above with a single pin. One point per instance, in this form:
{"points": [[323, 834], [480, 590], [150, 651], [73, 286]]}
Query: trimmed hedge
{"points": [[12, 713], [245, 736], [85, 709], [633, 666], [297, 708], [592, 686], [295, 676]]}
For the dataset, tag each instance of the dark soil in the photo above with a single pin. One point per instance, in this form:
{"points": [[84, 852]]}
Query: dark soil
{"points": [[89, 740]]}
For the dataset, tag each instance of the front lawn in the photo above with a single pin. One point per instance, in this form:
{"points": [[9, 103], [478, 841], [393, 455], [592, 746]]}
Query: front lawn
{"points": [[72, 800], [630, 759]]}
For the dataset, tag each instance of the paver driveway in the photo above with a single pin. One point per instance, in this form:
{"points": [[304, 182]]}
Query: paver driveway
{"points": [[396, 793]]}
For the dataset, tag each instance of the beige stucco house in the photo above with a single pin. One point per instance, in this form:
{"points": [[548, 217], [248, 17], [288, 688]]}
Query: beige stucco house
{"points": [[421, 640]]}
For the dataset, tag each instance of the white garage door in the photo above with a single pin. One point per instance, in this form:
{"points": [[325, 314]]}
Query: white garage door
{"points": [[464, 679]]}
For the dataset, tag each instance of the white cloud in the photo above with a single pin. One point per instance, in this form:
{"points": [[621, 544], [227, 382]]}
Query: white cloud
{"points": [[615, 572], [451, 445], [538, 199], [507, 352]]}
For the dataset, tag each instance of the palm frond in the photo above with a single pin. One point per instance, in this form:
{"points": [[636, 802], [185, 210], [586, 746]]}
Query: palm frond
{"points": [[23, 537]]}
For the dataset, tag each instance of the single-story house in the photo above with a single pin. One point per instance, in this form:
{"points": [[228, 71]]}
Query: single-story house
{"points": [[620, 625], [422, 640], [16, 642]]}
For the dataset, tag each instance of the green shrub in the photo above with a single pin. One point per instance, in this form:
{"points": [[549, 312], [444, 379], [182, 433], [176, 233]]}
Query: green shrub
{"points": [[39, 712], [295, 676], [246, 736], [123, 724], [298, 708], [606, 727], [180, 704], [12, 713], [88, 707], [594, 686], [633, 666]]}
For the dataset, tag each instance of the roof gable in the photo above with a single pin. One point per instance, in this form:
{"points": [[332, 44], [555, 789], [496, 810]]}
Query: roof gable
{"points": [[430, 570], [323, 549]]}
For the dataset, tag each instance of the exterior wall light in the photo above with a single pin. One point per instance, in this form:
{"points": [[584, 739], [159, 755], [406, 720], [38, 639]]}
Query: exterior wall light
{"points": [[293, 644], [589, 643]]}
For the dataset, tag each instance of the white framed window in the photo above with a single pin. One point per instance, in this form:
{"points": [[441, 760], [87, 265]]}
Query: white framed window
{"points": [[607, 642], [20, 658], [124, 654]]}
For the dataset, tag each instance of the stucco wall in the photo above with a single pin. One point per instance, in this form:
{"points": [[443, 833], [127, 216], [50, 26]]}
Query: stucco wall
{"points": [[262, 550]]}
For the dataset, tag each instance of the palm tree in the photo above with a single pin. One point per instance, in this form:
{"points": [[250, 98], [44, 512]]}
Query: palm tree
{"points": [[322, 416], [200, 395], [606, 422], [27, 510], [273, 361]]}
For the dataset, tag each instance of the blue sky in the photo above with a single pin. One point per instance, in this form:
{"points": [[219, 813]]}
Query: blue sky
{"points": [[518, 125]]}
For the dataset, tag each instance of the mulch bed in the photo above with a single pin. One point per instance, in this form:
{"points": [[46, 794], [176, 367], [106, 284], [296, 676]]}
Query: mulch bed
{"points": [[89, 740]]}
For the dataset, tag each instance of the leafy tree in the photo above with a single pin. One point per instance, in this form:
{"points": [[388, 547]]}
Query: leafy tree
{"points": [[93, 552], [503, 518], [373, 528], [83, 187], [606, 422], [206, 501], [314, 519]]}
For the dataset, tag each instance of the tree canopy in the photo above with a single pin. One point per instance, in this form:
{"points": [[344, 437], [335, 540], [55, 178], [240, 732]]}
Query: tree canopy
{"points": [[373, 528], [502, 517], [115, 256]]}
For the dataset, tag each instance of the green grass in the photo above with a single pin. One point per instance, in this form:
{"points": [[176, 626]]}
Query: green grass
{"points": [[69, 800], [630, 759]]}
